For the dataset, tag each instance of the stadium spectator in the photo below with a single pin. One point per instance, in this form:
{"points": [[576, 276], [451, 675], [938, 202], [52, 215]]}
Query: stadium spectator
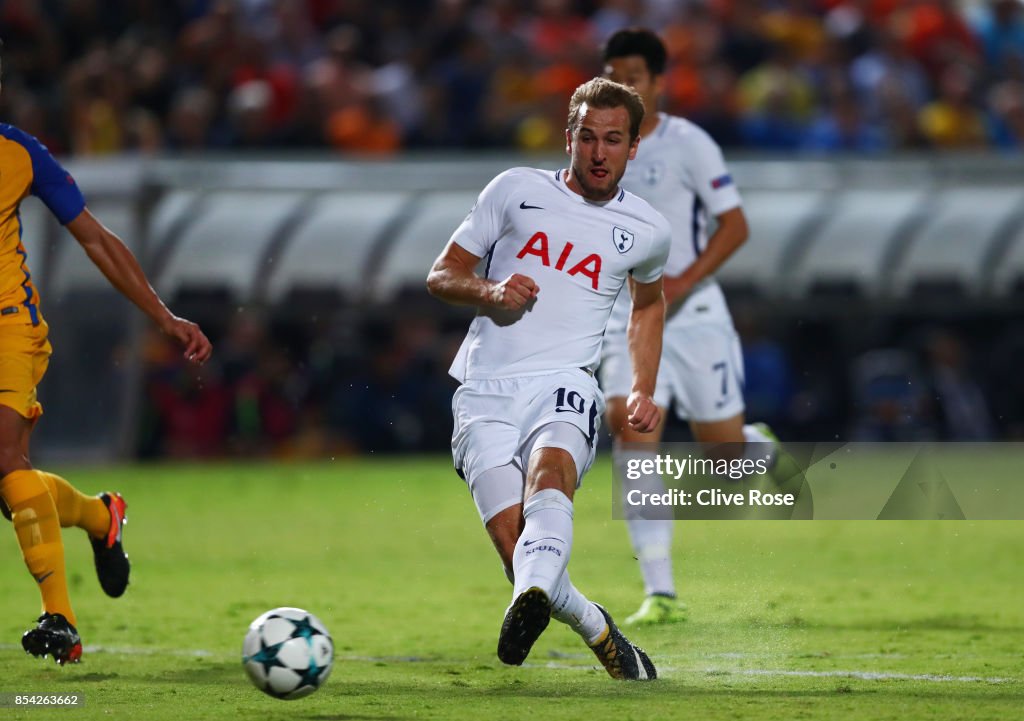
{"points": [[1006, 115], [887, 65], [190, 125], [376, 404], [744, 45], [796, 25], [961, 407], [191, 411], [768, 386], [952, 120], [889, 398], [843, 129], [363, 127], [899, 117], [719, 114], [777, 101], [937, 35], [999, 27]]}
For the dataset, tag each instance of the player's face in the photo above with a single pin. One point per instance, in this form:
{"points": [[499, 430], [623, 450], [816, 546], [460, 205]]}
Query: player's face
{"points": [[632, 70], [599, 147]]}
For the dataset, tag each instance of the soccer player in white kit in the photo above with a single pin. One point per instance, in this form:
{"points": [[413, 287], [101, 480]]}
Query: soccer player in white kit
{"points": [[680, 171], [559, 249]]}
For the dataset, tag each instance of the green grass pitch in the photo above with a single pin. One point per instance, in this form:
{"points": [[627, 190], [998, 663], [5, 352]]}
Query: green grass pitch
{"points": [[789, 620]]}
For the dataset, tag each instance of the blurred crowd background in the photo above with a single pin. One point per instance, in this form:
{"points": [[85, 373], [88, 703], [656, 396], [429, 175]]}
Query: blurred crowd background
{"points": [[267, 78], [381, 76], [356, 382]]}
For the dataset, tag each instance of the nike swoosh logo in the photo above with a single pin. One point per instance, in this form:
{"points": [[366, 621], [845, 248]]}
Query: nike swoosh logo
{"points": [[40, 579], [524, 206], [527, 544]]}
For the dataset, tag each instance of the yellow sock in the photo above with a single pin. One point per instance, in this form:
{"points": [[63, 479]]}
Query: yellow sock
{"points": [[38, 530], [74, 508]]}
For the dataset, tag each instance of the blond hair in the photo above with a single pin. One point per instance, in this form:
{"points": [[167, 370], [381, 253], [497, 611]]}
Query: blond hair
{"points": [[605, 93]]}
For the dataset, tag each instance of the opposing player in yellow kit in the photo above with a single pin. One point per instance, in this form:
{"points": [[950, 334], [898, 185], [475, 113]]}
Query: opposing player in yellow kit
{"points": [[40, 503]]}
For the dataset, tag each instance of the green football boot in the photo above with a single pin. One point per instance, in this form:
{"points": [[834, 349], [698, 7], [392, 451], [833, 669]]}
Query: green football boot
{"points": [[788, 476], [658, 609]]}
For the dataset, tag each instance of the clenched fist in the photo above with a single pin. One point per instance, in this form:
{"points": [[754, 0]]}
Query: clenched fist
{"points": [[514, 292], [643, 414]]}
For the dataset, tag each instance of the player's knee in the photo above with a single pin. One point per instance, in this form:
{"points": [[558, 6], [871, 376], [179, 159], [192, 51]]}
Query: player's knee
{"points": [[557, 470], [12, 459]]}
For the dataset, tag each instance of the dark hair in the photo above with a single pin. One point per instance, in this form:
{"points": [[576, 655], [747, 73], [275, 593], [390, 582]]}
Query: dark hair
{"points": [[638, 41], [605, 93]]}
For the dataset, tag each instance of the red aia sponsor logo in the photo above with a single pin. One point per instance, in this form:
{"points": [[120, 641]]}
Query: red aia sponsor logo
{"points": [[538, 246]]}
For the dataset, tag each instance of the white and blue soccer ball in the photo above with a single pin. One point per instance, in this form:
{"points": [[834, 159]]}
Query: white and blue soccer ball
{"points": [[288, 653]]}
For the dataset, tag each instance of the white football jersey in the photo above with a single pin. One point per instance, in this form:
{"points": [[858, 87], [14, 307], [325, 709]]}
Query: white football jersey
{"points": [[680, 171], [578, 252]]}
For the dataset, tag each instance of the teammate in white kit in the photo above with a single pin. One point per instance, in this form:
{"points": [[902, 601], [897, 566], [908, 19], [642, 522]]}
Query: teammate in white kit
{"points": [[680, 171], [559, 248]]}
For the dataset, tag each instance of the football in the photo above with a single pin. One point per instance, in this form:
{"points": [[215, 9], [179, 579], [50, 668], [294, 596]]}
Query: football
{"points": [[288, 653]]}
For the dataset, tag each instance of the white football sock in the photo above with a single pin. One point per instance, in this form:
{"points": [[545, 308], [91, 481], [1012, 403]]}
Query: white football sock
{"points": [[652, 541], [651, 536], [572, 608], [542, 551]]}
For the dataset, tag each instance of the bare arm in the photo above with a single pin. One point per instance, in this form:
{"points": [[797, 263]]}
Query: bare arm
{"points": [[453, 279], [646, 325], [732, 232], [116, 262]]}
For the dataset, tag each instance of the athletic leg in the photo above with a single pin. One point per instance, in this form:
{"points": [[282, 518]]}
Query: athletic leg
{"points": [[541, 553], [74, 508], [33, 513], [651, 536], [37, 528]]}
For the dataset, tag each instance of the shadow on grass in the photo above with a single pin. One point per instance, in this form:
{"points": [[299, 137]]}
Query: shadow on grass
{"points": [[94, 677], [205, 674]]}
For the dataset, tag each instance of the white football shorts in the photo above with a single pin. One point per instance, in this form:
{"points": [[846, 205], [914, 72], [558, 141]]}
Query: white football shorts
{"points": [[503, 421], [701, 370]]}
